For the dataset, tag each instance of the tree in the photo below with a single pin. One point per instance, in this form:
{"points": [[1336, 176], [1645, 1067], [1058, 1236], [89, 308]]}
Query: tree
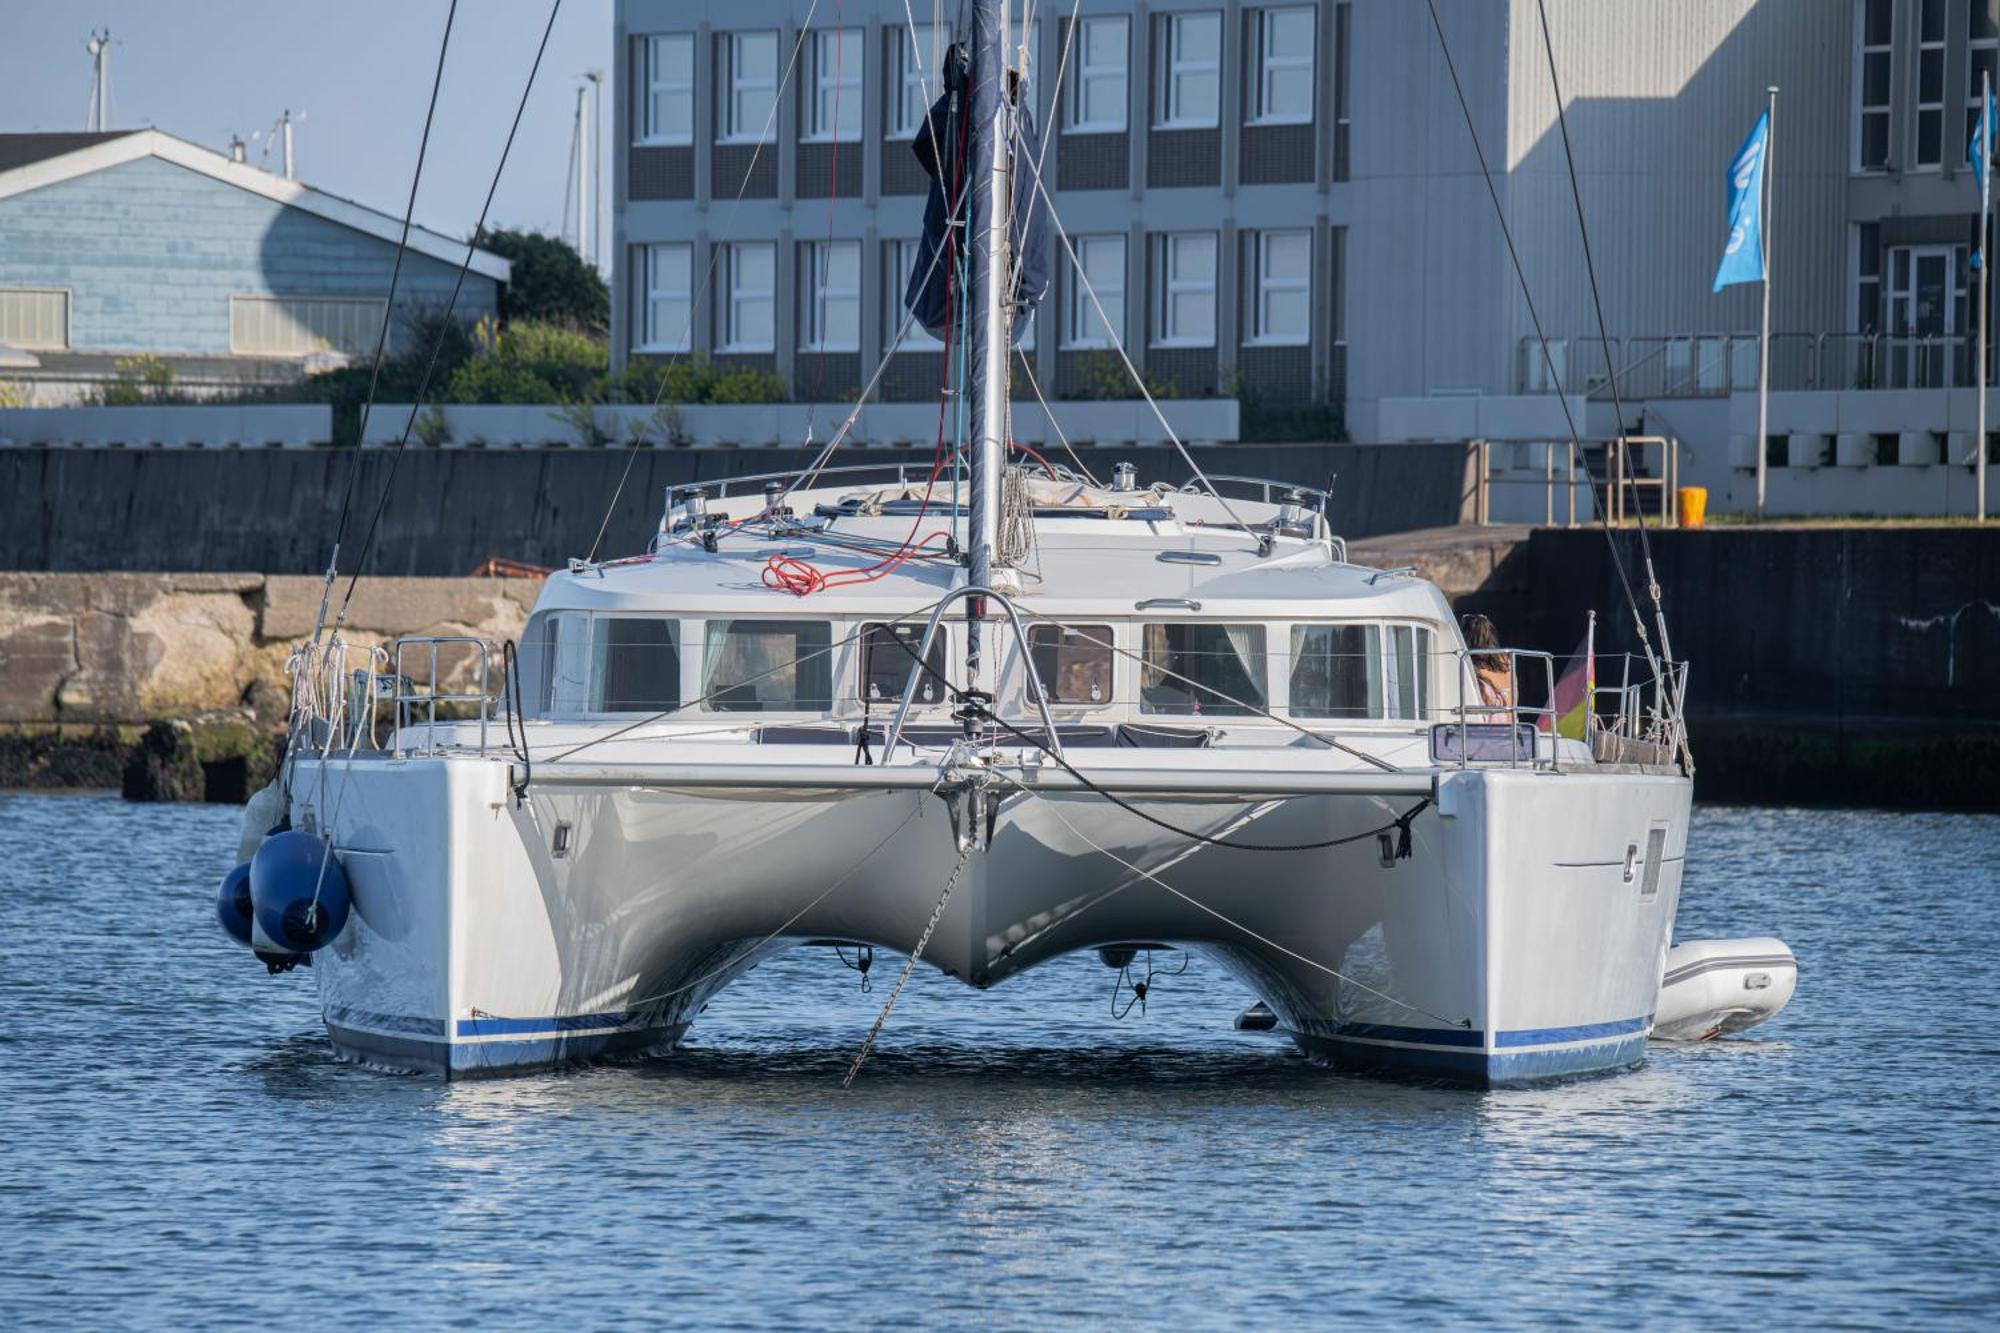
{"points": [[550, 284]]}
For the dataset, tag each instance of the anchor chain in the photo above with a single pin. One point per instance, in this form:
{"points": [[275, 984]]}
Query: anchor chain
{"points": [[937, 914]]}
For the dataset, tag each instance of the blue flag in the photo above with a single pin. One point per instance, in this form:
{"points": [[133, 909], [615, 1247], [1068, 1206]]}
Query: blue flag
{"points": [[1743, 256], [1979, 155]]}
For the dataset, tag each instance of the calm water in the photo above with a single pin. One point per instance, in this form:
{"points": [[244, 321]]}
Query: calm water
{"points": [[180, 1147]]}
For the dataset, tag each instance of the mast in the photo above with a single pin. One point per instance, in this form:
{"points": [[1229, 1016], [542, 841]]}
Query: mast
{"points": [[988, 221]]}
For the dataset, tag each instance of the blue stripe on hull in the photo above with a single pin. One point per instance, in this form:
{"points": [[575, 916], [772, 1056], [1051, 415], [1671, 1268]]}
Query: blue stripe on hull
{"points": [[1519, 1056], [470, 1059]]}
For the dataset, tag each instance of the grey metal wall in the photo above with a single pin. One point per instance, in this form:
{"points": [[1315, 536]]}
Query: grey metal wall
{"points": [[273, 511]]}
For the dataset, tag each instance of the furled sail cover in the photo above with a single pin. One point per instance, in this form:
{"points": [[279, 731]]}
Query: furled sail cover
{"points": [[929, 292]]}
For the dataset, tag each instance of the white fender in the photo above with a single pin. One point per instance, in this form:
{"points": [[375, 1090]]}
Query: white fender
{"points": [[1711, 987]]}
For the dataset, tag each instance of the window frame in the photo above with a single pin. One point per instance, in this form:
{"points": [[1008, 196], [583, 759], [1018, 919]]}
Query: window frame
{"points": [[735, 85], [1078, 312], [1263, 287], [653, 86], [546, 662], [1383, 652], [364, 342], [651, 339], [1100, 636], [1268, 61], [1864, 110], [735, 295], [1088, 75], [1168, 290], [837, 66], [1263, 649], [1168, 113], [916, 84], [901, 267], [819, 256], [65, 302], [1920, 108], [939, 658], [825, 659]]}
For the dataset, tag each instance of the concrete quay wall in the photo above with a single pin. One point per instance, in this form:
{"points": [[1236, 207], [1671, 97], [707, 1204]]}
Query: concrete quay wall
{"points": [[121, 650]]}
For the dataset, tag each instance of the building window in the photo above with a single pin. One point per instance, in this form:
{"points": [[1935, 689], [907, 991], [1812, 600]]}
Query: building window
{"points": [[1982, 40], [667, 115], [1101, 262], [1282, 313], [669, 297], [1097, 92], [1868, 281], [1871, 127], [751, 76], [1930, 83], [302, 325], [1190, 84], [34, 320], [1284, 90], [903, 260], [919, 57], [834, 113], [1184, 313], [833, 296], [749, 271]]}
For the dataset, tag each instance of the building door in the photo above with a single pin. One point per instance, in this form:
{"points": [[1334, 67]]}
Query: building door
{"points": [[1926, 347]]}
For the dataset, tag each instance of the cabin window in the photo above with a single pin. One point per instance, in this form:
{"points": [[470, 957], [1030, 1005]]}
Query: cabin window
{"points": [[768, 666], [888, 653], [605, 664], [1073, 662], [1212, 670], [1360, 671]]}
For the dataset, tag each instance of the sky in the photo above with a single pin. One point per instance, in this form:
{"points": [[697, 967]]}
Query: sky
{"points": [[356, 75]]}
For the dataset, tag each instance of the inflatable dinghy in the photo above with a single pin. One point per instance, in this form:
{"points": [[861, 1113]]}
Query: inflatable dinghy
{"points": [[1713, 987]]}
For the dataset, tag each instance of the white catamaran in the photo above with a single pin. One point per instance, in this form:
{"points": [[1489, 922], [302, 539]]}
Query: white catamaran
{"points": [[982, 725]]}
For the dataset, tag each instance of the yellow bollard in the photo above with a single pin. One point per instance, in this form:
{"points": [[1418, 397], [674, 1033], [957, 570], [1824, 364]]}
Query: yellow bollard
{"points": [[1693, 502]]}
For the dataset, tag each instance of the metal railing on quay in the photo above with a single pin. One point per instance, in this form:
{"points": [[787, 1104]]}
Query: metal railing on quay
{"points": [[1626, 470], [1718, 364]]}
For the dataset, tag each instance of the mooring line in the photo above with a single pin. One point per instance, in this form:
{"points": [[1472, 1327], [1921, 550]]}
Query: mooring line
{"points": [[937, 915]]}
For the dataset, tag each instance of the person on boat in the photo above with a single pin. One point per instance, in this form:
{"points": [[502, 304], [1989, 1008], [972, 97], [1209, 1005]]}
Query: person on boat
{"points": [[1489, 664]]}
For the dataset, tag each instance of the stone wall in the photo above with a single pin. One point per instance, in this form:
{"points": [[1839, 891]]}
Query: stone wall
{"points": [[124, 649]]}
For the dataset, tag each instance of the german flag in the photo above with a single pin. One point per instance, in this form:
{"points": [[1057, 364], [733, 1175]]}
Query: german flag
{"points": [[1570, 709]]}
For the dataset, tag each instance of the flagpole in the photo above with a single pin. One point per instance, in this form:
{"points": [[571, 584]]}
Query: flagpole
{"points": [[1764, 329], [1985, 213]]}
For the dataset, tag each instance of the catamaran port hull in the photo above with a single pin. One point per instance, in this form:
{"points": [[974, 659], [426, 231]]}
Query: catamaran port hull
{"points": [[1522, 938]]}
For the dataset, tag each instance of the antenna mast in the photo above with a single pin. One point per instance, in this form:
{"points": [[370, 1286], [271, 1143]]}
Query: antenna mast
{"points": [[991, 322], [583, 172], [99, 46]]}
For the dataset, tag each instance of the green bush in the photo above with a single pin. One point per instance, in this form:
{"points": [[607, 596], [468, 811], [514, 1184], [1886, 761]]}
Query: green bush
{"points": [[529, 362], [137, 380]]}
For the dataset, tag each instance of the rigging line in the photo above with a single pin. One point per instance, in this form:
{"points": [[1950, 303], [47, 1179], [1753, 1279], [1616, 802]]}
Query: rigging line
{"points": [[1048, 131], [1118, 345], [444, 324], [1541, 336], [1056, 810], [915, 809], [1611, 368], [1054, 425], [382, 335], [631, 457]]}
